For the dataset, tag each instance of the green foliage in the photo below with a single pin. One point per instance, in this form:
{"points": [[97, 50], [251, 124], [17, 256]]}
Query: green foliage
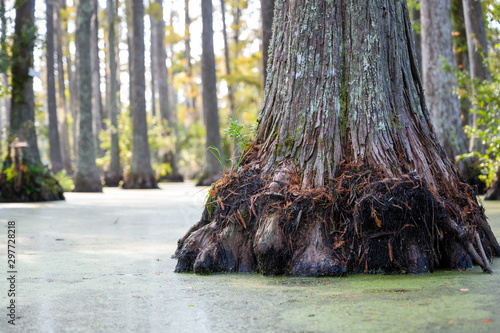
{"points": [[65, 181], [215, 151], [485, 101]]}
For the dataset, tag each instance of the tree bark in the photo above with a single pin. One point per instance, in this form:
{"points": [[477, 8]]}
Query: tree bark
{"points": [[86, 176], [209, 94], [230, 90], [439, 80], [29, 180], [267, 14], [346, 173], [141, 174], [54, 140], [97, 110], [477, 47], [114, 174], [63, 110], [417, 36], [190, 93], [153, 65]]}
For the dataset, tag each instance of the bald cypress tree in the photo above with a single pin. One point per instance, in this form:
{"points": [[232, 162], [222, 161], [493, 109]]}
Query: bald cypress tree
{"points": [[345, 173]]}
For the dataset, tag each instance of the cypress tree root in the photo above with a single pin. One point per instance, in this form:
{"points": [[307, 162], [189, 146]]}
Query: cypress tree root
{"points": [[112, 181], [140, 181], [361, 222]]}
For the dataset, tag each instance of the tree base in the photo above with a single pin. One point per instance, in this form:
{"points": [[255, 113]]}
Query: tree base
{"points": [[361, 222], [113, 181], [208, 179], [35, 183], [493, 192], [87, 183], [172, 178], [140, 181]]}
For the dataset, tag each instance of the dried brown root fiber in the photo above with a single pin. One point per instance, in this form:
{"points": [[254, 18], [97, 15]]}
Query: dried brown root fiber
{"points": [[360, 222]]}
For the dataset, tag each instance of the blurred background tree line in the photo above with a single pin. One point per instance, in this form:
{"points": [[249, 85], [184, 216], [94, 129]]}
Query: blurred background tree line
{"points": [[134, 92]]}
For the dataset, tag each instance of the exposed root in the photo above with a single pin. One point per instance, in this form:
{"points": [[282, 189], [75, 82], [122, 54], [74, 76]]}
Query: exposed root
{"points": [[361, 222]]}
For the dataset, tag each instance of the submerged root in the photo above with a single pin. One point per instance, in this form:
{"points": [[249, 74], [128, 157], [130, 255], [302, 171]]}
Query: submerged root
{"points": [[360, 222]]}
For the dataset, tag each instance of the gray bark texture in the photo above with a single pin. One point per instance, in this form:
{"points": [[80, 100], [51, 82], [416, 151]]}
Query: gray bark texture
{"points": [[30, 180], [87, 176], [153, 65], [209, 93], [417, 37], [439, 80], [477, 47], [267, 14], [230, 89], [114, 174], [343, 134], [56, 161], [141, 173], [63, 104], [97, 110]]}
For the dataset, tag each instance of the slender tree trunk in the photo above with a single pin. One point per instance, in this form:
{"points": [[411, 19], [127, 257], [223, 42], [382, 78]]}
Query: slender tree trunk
{"points": [[141, 174], [230, 90], [459, 35], [153, 66], [86, 176], [209, 93], [477, 48], [96, 77], [114, 174], [346, 173], [63, 109], [190, 94], [417, 37], [267, 14], [3, 70], [54, 141], [439, 80], [161, 66], [23, 177]]}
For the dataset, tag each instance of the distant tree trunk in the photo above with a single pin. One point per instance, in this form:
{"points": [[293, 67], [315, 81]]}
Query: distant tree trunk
{"points": [[114, 174], [230, 90], [23, 177], [439, 79], [153, 65], [3, 69], [63, 113], [86, 176], [73, 86], [190, 98], [417, 36], [97, 110], [346, 173], [141, 174], [267, 14], [477, 48], [459, 35], [54, 141], [209, 94]]}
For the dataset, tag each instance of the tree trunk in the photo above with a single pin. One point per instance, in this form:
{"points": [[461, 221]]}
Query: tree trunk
{"points": [[346, 173], [141, 174], [190, 93], [96, 78], [417, 36], [477, 48], [3, 70], [86, 176], [114, 174], [209, 94], [63, 110], [267, 14], [230, 90], [153, 66], [23, 177], [439, 79], [54, 141]]}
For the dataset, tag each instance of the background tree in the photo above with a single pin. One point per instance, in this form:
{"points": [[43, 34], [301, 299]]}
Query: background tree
{"points": [[63, 103], [54, 141], [267, 13], [86, 176], [97, 109], [141, 174], [23, 176], [210, 110], [114, 174], [438, 76], [344, 161]]}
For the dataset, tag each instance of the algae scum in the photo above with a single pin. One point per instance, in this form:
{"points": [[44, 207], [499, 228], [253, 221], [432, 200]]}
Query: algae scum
{"points": [[451, 301]]}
